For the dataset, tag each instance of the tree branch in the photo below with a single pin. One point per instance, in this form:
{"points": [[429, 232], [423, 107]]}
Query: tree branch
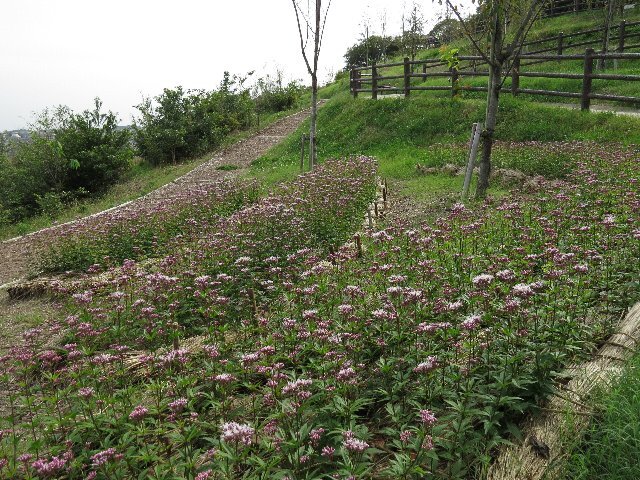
{"points": [[302, 44], [525, 26], [468, 32]]}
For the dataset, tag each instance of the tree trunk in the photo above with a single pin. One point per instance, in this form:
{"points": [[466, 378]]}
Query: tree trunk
{"points": [[313, 148], [493, 96], [493, 93]]}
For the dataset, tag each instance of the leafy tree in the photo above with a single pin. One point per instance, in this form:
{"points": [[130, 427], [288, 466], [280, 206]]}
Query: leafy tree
{"points": [[96, 150], [446, 30], [272, 95], [376, 48], [413, 31], [68, 155]]}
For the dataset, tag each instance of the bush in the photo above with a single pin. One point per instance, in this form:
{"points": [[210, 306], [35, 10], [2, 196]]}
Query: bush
{"points": [[272, 96], [68, 155], [180, 124]]}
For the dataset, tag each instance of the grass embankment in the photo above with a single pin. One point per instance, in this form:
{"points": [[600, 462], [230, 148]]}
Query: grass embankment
{"points": [[611, 448], [434, 131], [141, 179]]}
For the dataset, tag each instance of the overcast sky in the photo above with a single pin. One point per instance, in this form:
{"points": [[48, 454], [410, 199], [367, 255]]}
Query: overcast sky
{"points": [[66, 52]]}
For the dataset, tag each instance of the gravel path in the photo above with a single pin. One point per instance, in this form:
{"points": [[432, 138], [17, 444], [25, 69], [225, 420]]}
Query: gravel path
{"points": [[17, 253]]}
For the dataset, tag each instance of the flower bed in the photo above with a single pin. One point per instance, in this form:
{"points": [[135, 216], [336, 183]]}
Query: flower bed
{"points": [[140, 230], [413, 356]]}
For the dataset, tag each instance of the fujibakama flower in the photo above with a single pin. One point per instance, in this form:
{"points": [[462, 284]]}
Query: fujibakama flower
{"points": [[523, 290], [86, 392], [206, 475], [237, 432], [471, 322], [353, 444], [103, 457], [427, 417], [427, 366], [482, 280], [138, 413], [178, 405]]}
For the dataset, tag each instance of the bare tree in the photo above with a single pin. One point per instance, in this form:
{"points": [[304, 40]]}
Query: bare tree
{"points": [[365, 24], [311, 25], [608, 19], [412, 30], [501, 15], [383, 33]]}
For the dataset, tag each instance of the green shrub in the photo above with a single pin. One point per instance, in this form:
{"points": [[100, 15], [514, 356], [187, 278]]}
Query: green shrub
{"points": [[181, 124], [69, 154], [271, 95]]}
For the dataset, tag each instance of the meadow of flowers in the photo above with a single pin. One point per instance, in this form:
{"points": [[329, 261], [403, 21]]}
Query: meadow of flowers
{"points": [[270, 348]]}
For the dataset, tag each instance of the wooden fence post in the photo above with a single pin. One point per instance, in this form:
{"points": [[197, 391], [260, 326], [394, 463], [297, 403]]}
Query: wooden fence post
{"points": [[560, 43], [424, 72], [621, 34], [354, 82], [454, 81], [473, 153], [407, 77], [515, 76], [374, 81], [585, 102]]}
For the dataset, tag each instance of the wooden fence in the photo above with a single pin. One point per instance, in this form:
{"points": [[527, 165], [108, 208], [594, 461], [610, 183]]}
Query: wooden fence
{"points": [[623, 36], [554, 8], [371, 82]]}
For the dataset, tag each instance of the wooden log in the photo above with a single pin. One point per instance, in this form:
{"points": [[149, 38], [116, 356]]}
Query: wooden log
{"points": [[541, 452]]}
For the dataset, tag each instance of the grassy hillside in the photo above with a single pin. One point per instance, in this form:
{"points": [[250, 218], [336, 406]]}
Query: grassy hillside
{"points": [[434, 131]]}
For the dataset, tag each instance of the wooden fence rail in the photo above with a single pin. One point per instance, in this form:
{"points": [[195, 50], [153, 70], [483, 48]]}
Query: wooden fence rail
{"points": [[624, 36], [370, 82]]}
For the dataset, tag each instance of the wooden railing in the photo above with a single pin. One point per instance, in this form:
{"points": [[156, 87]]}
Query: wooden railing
{"points": [[364, 82], [554, 8]]}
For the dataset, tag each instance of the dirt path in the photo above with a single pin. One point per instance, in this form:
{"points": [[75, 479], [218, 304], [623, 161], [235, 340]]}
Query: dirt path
{"points": [[17, 253]]}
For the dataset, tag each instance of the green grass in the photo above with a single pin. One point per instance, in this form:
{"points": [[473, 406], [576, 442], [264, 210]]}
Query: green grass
{"points": [[611, 448], [422, 129]]}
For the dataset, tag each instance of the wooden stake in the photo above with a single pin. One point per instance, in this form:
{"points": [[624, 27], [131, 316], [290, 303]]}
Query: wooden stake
{"points": [[473, 153]]}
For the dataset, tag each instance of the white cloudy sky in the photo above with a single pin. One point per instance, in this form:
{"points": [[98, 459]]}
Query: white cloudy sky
{"points": [[70, 51]]}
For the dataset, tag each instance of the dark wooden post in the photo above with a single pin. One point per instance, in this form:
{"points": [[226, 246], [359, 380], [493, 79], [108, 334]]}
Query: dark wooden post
{"points": [[621, 34], [560, 43], [454, 81], [424, 72], [586, 79], [515, 76], [374, 81], [354, 81], [407, 77]]}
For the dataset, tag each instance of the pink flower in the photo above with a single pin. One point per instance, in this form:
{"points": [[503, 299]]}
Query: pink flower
{"points": [[86, 392], [236, 432], [328, 451], [138, 413], [471, 322], [482, 280], [204, 475], [427, 366], [103, 457], [353, 444], [427, 417], [178, 405]]}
